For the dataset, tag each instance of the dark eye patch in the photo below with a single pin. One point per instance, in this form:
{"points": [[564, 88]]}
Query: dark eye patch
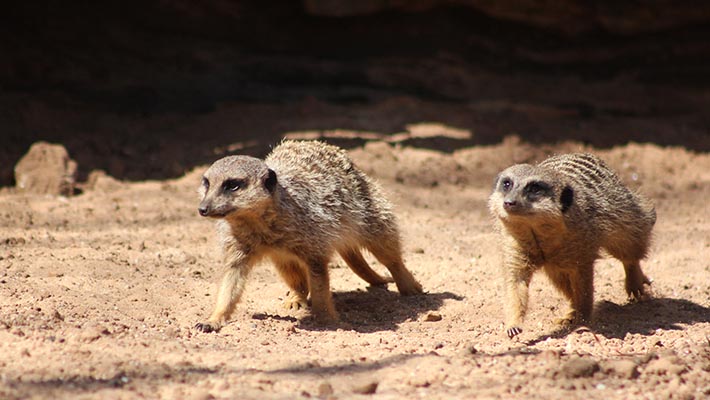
{"points": [[232, 185], [205, 183], [537, 189]]}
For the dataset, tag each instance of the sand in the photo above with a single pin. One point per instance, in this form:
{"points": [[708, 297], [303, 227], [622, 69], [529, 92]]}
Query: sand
{"points": [[99, 294]]}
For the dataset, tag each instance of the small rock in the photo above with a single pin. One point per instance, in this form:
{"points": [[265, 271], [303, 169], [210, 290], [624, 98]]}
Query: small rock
{"points": [[368, 388], [99, 180], [201, 394], [470, 350], [325, 390], [548, 355], [46, 169], [626, 369], [670, 365], [92, 333], [580, 367], [432, 317]]}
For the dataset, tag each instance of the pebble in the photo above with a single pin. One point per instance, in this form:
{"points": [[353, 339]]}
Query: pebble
{"points": [[200, 394], [670, 365], [621, 368], [580, 367], [92, 332], [325, 390], [433, 317], [368, 388]]}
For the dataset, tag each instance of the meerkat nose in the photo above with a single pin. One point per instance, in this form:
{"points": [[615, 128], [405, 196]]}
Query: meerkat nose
{"points": [[203, 211], [510, 203]]}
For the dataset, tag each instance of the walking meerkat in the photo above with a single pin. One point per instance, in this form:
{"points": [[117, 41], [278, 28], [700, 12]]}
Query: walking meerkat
{"points": [[557, 215], [299, 206]]}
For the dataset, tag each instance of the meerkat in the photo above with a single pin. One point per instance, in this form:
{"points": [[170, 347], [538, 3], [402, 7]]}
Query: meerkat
{"points": [[301, 204], [557, 216]]}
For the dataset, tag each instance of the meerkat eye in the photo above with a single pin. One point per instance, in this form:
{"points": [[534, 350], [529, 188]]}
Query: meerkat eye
{"points": [[205, 183], [233, 185], [506, 184]]}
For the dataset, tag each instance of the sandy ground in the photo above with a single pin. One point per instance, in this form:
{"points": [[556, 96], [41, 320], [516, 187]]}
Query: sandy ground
{"points": [[99, 293]]}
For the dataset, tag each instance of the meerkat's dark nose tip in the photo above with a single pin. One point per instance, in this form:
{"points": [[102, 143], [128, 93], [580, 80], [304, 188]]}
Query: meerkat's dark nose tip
{"points": [[510, 203], [203, 211]]}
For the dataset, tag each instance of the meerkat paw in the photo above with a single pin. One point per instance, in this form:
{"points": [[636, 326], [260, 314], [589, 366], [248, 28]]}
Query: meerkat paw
{"points": [[513, 331], [208, 327], [325, 317], [410, 289], [572, 318], [565, 321], [295, 301], [635, 288]]}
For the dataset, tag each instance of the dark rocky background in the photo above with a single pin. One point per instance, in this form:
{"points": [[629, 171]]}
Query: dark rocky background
{"points": [[149, 89]]}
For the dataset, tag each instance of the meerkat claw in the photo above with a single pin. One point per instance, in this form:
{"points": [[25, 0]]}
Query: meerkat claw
{"points": [[294, 301], [206, 327], [514, 331]]}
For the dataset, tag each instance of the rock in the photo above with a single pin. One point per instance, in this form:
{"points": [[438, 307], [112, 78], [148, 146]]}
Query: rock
{"points": [[99, 180], [200, 394], [92, 333], [368, 388], [46, 169], [547, 356], [668, 365], [325, 390], [580, 367], [432, 317], [622, 368]]}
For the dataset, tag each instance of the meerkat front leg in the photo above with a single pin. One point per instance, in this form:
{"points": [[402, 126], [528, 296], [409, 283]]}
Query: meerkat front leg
{"points": [[321, 298], [517, 282], [635, 281], [229, 293], [294, 274]]}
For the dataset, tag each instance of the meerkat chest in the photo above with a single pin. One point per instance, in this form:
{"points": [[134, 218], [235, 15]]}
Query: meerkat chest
{"points": [[542, 243]]}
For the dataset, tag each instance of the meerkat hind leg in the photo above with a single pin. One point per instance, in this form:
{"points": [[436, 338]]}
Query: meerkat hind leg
{"points": [[356, 262], [388, 252]]}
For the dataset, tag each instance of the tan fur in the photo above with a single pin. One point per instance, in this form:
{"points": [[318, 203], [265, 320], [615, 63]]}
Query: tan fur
{"points": [[557, 216], [299, 206]]}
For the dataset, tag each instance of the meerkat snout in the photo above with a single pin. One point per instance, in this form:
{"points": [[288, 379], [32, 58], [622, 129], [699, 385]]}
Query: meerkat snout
{"points": [[203, 210]]}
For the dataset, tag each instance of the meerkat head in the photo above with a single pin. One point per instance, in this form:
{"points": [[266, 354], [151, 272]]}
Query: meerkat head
{"points": [[524, 191], [236, 185]]}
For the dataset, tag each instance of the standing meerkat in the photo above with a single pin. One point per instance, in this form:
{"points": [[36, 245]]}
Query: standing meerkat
{"points": [[299, 206], [557, 215]]}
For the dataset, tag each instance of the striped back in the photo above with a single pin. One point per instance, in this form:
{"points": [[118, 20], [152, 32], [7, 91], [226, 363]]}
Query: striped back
{"points": [[588, 172]]}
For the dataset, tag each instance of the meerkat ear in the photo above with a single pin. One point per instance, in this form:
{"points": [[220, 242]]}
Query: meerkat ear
{"points": [[566, 198], [270, 181]]}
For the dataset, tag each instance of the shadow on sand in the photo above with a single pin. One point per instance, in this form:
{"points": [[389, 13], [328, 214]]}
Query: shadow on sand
{"points": [[378, 309], [615, 321]]}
